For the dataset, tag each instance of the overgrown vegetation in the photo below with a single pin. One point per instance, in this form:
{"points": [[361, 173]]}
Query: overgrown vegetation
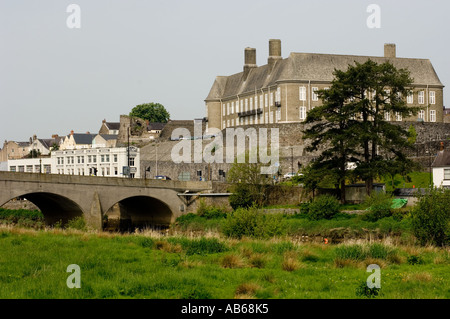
{"points": [[146, 265], [431, 217]]}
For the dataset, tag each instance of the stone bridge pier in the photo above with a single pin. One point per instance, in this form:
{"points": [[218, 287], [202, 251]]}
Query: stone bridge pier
{"points": [[136, 201]]}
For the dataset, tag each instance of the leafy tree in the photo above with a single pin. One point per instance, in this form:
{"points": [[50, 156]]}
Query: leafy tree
{"points": [[249, 185], [431, 217], [354, 121], [153, 112], [33, 154]]}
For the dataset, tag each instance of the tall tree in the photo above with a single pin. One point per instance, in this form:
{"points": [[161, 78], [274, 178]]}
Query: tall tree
{"points": [[354, 122], [153, 112]]}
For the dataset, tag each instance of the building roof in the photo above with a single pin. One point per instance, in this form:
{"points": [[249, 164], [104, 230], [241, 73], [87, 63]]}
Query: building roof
{"points": [[155, 126], [442, 159], [83, 138], [112, 125], [408, 191], [304, 67], [109, 137]]}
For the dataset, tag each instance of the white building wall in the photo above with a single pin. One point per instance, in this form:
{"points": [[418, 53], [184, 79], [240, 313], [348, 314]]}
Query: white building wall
{"points": [[107, 161], [438, 177], [31, 165]]}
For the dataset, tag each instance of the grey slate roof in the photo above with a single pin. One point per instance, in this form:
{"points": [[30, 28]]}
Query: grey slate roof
{"points": [[81, 138], [112, 125], [304, 67], [442, 159], [155, 126], [109, 137]]}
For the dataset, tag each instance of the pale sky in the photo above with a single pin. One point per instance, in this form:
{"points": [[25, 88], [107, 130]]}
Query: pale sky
{"points": [[54, 79]]}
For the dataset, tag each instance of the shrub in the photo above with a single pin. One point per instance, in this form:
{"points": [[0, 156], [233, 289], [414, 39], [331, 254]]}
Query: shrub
{"points": [[431, 217], [378, 205], [232, 261], [242, 197], [364, 291], [210, 212], [323, 207], [249, 222], [77, 223]]}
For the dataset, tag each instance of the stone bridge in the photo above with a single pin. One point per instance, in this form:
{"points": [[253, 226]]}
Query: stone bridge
{"points": [[137, 201]]}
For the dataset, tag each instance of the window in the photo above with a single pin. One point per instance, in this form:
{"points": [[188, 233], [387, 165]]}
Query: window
{"points": [[278, 95], [223, 110], [246, 105], [223, 124], [421, 97], [266, 117], [228, 123], [256, 119], [251, 103], [232, 122], [302, 93], [432, 97], [131, 161], [242, 106], [246, 121], [387, 116], [228, 108], [421, 115], [232, 107], [315, 97], [115, 158], [432, 116], [398, 116], [302, 112], [94, 158], [266, 98], [410, 98], [237, 106], [271, 98], [278, 115], [447, 173], [12, 169], [388, 93], [271, 117], [261, 101], [251, 120], [256, 102]]}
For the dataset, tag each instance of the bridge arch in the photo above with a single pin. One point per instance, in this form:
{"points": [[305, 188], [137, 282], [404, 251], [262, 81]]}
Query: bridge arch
{"points": [[54, 207], [139, 211]]}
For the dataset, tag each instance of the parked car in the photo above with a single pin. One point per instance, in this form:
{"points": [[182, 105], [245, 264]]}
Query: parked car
{"points": [[163, 177], [289, 175]]}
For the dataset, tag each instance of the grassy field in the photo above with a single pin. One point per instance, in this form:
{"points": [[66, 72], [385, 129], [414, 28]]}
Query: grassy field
{"points": [[33, 264]]}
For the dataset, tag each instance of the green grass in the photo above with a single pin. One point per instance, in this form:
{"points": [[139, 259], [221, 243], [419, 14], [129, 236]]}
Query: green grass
{"points": [[33, 265], [416, 179]]}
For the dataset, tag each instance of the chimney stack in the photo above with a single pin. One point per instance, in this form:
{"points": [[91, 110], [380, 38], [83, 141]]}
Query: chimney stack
{"points": [[250, 61], [442, 146], [389, 50], [274, 51], [71, 132]]}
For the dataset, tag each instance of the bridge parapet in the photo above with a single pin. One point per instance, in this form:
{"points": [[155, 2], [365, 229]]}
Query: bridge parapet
{"points": [[106, 181]]}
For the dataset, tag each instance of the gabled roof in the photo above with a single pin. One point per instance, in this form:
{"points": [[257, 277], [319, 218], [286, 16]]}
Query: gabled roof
{"points": [[442, 159], [109, 137], [304, 67], [81, 138], [155, 126], [112, 125]]}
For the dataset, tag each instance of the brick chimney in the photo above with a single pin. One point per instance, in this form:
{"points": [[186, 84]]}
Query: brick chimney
{"points": [[389, 50], [274, 51], [71, 132], [250, 61]]}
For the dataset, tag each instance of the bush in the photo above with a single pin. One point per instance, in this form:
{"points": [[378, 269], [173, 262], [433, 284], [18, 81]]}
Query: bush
{"points": [[323, 207], [378, 205], [241, 197], [431, 217], [249, 222], [77, 223], [210, 212], [364, 291]]}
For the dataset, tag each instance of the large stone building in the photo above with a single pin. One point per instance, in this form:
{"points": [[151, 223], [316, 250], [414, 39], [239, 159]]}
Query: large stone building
{"points": [[283, 90]]}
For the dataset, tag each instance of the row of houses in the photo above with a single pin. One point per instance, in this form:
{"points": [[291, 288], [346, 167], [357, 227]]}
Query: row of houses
{"points": [[76, 154]]}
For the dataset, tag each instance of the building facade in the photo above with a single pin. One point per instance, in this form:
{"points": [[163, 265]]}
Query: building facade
{"points": [[108, 162], [284, 90]]}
